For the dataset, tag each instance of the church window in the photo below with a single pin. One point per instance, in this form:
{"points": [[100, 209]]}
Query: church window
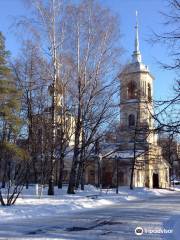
{"points": [[132, 90], [144, 92], [121, 178], [142, 87], [150, 120], [131, 120], [149, 92], [91, 172]]}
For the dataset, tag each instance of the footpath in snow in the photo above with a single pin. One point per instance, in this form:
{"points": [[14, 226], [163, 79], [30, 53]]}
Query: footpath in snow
{"points": [[30, 206]]}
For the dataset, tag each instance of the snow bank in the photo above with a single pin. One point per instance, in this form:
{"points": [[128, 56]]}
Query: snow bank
{"points": [[30, 206]]}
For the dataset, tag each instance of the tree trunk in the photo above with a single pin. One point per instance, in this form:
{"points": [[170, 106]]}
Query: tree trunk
{"points": [[61, 168], [73, 173], [1, 200], [51, 177], [79, 175], [72, 180], [4, 176], [80, 169], [82, 178]]}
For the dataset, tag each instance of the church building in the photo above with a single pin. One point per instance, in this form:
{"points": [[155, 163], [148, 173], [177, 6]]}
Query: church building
{"points": [[136, 156], [137, 149]]}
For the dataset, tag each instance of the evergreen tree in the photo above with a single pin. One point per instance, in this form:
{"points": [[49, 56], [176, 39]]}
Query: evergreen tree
{"points": [[9, 100], [10, 154]]}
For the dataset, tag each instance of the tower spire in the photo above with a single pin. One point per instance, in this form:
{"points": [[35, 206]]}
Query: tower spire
{"points": [[136, 54]]}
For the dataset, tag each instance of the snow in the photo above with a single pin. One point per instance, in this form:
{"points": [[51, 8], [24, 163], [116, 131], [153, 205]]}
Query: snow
{"points": [[30, 206], [127, 154], [132, 100], [110, 216]]}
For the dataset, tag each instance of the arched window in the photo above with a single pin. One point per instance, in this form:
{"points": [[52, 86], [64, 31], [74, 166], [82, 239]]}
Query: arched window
{"points": [[144, 92], [131, 120], [142, 87], [132, 90], [149, 92], [149, 119]]}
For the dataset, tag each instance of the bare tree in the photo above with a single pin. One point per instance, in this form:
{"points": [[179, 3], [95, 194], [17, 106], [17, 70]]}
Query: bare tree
{"points": [[46, 25], [30, 71], [170, 37], [80, 46], [94, 31]]}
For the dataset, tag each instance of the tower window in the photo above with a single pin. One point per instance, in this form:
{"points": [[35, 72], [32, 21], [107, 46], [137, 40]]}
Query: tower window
{"points": [[131, 120], [132, 90], [149, 92], [143, 88], [150, 120]]}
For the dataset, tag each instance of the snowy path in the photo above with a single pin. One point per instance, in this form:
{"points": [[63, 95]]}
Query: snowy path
{"points": [[112, 222]]}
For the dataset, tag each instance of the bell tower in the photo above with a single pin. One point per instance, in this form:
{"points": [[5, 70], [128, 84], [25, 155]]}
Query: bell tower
{"points": [[136, 106]]}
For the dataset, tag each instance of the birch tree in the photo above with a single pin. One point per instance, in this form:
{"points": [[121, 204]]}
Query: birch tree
{"points": [[94, 32], [46, 26]]}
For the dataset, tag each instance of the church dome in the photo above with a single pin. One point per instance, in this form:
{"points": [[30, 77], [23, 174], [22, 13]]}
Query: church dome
{"points": [[135, 67]]}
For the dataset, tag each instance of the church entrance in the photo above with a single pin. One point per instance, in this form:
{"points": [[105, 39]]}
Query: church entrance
{"points": [[107, 179], [155, 180], [91, 177]]}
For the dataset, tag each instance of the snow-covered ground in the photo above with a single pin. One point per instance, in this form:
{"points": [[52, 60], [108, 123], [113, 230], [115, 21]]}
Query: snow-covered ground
{"points": [[30, 206], [109, 216]]}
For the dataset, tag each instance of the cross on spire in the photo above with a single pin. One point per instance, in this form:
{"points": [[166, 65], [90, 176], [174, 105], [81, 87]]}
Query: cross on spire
{"points": [[136, 54]]}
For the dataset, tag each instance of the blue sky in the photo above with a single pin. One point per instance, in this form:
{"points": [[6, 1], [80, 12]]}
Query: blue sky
{"points": [[149, 18]]}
